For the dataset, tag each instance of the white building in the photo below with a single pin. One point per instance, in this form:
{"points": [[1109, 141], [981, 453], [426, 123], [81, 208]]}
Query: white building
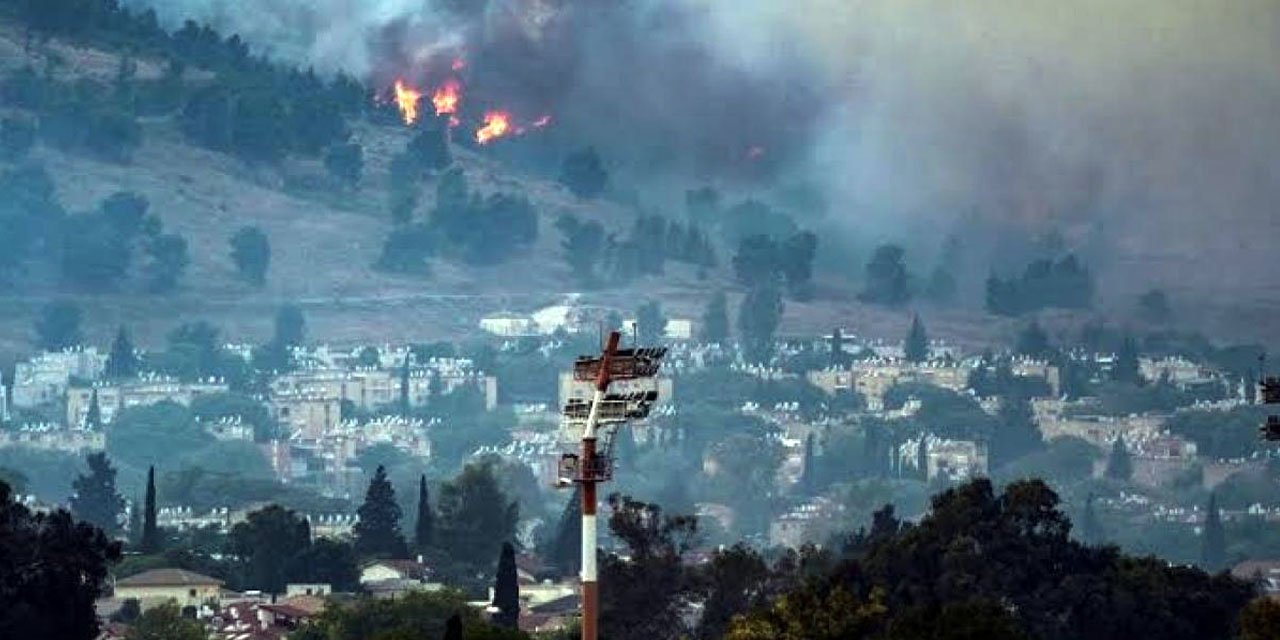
{"points": [[676, 329], [45, 378], [509, 325]]}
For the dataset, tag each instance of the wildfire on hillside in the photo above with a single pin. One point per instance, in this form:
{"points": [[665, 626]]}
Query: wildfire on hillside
{"points": [[446, 98], [496, 125], [407, 99]]}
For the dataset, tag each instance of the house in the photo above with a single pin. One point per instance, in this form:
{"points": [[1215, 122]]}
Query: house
{"points": [[550, 616], [157, 586], [250, 620], [116, 397], [396, 569], [1265, 573]]}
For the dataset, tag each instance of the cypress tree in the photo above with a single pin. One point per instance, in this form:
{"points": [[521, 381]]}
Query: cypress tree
{"points": [[1120, 464], [122, 361], [837, 357], [1213, 549], [150, 541], [506, 589], [424, 528], [93, 417], [404, 386], [916, 347], [808, 483], [378, 531]]}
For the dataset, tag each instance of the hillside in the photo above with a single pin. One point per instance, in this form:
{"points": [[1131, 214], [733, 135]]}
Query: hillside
{"points": [[325, 242]]}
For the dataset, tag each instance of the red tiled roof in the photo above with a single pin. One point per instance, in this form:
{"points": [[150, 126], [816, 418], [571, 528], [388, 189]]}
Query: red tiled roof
{"points": [[168, 578]]}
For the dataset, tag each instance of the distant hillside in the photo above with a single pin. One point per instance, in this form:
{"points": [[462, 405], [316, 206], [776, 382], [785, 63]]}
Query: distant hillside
{"points": [[325, 239]]}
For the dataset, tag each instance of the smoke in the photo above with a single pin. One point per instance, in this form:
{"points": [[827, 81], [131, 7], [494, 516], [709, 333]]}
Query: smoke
{"points": [[1144, 128]]}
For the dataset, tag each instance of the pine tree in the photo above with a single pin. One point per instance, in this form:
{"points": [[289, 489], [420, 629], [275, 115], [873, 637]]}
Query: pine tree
{"points": [[916, 346], [95, 500], [1018, 434], [150, 541], [1090, 528], [1120, 464], [715, 320], [566, 548], [122, 363], [93, 417], [378, 531], [1213, 549], [506, 589], [453, 628], [423, 530]]}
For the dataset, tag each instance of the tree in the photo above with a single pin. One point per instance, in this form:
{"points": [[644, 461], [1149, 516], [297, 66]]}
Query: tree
{"points": [[424, 526], [58, 326], [583, 246], [887, 282], [168, 261], [916, 345], [150, 541], [1017, 434], [122, 362], [564, 549], [52, 569], [715, 320], [758, 319], [93, 416], [251, 253], [584, 174], [756, 261], [165, 622], [430, 148], [475, 516], [95, 499], [1125, 368], [345, 162], [1033, 342], [377, 533], [506, 589], [1120, 463], [651, 324], [797, 255], [1260, 619], [1213, 543], [453, 628], [808, 479], [1153, 307], [266, 544], [645, 593], [1090, 527]]}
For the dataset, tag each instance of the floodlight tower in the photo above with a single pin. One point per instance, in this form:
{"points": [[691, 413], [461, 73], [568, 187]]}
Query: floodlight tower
{"points": [[592, 466]]}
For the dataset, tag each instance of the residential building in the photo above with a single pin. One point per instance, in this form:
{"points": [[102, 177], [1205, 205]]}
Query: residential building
{"points": [[114, 397], [157, 586], [45, 378], [509, 325], [53, 437]]}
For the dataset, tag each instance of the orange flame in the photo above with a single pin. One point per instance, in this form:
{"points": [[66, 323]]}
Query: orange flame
{"points": [[496, 125], [446, 98], [407, 99]]}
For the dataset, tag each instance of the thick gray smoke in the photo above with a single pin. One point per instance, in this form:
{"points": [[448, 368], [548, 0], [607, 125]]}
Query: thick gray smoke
{"points": [[1144, 129]]}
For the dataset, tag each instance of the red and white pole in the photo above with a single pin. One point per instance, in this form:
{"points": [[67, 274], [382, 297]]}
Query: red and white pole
{"points": [[590, 472]]}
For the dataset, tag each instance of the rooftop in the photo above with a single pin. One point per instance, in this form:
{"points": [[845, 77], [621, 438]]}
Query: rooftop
{"points": [[168, 578]]}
